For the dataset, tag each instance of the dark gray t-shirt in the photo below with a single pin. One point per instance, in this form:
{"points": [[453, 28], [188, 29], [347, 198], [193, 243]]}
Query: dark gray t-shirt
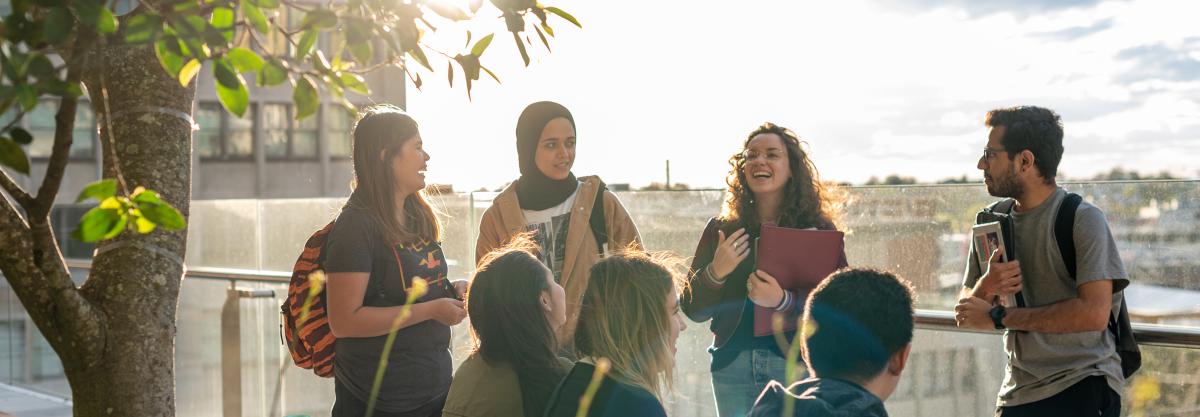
{"points": [[419, 368], [1041, 365]]}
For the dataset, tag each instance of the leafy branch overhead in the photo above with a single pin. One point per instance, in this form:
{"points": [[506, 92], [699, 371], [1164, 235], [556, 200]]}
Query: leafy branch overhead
{"points": [[43, 44]]}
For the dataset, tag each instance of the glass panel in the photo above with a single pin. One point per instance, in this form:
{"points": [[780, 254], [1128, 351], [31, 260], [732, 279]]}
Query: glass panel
{"points": [[241, 135], [337, 130], [275, 129], [208, 138], [40, 122], [304, 138], [83, 141]]}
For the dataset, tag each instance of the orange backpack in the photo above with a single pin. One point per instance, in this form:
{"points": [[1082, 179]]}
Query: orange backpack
{"points": [[311, 342]]}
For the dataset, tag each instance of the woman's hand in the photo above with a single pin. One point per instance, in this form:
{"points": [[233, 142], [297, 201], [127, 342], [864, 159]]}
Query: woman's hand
{"points": [[447, 311], [730, 252], [763, 289], [460, 289]]}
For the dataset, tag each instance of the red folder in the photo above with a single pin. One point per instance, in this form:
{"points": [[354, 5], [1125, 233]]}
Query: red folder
{"points": [[799, 260]]}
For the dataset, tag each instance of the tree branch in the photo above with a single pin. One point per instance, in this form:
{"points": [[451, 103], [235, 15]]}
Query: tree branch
{"points": [[23, 198], [64, 127]]}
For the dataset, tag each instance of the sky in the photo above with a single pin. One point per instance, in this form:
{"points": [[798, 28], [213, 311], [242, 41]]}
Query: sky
{"points": [[874, 87]]}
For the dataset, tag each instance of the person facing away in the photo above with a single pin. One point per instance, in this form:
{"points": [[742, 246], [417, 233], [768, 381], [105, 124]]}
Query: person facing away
{"points": [[859, 324], [1062, 360], [771, 180], [628, 324], [516, 309], [385, 237], [551, 202]]}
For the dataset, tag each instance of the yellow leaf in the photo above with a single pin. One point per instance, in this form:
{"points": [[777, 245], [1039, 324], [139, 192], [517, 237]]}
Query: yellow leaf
{"points": [[188, 72]]}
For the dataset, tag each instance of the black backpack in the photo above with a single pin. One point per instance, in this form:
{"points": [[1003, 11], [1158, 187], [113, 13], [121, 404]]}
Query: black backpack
{"points": [[1064, 234], [598, 223]]}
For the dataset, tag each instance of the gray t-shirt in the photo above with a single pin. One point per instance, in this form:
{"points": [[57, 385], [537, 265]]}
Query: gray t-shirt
{"points": [[1041, 365]]}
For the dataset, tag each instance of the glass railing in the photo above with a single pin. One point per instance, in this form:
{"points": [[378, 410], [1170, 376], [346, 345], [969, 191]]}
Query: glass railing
{"points": [[918, 231]]}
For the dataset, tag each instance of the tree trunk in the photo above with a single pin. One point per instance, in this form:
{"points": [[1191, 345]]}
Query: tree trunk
{"points": [[145, 126]]}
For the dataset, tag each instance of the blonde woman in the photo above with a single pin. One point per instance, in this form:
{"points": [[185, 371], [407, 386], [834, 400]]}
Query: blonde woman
{"points": [[630, 320]]}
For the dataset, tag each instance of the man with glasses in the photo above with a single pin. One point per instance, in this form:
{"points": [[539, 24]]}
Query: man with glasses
{"points": [[1062, 359]]}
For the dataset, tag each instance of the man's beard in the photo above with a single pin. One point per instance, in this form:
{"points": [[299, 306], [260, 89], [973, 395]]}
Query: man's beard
{"points": [[1007, 186]]}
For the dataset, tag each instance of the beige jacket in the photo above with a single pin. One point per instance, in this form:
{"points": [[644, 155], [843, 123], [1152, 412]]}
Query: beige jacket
{"points": [[504, 219]]}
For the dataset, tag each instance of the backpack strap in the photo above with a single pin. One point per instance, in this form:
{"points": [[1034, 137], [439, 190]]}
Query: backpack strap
{"points": [[598, 222], [1004, 206], [1064, 230]]}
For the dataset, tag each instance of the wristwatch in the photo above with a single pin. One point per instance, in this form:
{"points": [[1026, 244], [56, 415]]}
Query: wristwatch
{"points": [[997, 314]]}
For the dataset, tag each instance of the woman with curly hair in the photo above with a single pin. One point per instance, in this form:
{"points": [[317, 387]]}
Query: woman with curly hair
{"points": [[771, 181]]}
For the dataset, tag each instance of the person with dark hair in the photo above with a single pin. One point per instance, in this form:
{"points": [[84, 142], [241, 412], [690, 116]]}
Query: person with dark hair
{"points": [[860, 327], [386, 236], [628, 325], [1062, 359], [771, 180], [516, 309], [563, 212]]}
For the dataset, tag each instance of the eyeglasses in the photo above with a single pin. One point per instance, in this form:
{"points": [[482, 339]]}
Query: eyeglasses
{"points": [[771, 156], [988, 152]]}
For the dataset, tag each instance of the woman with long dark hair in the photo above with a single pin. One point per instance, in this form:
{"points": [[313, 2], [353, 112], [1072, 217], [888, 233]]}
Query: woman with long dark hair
{"points": [[628, 325], [516, 310], [563, 212], [771, 180], [386, 236]]}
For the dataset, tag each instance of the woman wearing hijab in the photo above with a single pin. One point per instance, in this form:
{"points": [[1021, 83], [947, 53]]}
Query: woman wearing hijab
{"points": [[562, 212]]}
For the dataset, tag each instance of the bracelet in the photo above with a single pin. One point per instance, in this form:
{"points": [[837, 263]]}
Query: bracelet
{"points": [[784, 303], [712, 276]]}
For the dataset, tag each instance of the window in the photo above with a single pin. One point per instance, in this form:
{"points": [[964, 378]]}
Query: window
{"points": [[240, 141], [286, 137], [208, 138], [337, 130], [40, 123], [223, 135]]}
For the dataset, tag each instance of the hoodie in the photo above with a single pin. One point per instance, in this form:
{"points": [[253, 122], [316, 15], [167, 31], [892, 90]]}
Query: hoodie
{"points": [[819, 397]]}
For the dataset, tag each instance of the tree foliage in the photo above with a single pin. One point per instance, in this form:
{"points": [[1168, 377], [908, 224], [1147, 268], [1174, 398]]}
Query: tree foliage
{"points": [[44, 44]]}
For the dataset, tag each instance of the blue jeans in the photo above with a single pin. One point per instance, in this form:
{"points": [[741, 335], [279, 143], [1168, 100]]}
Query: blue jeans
{"points": [[738, 385]]}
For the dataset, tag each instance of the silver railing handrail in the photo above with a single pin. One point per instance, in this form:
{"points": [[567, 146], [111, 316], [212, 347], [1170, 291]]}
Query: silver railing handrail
{"points": [[1145, 334], [228, 274]]}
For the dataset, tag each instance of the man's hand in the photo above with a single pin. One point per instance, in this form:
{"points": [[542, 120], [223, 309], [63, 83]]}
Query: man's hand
{"points": [[1000, 279], [972, 313], [460, 288]]}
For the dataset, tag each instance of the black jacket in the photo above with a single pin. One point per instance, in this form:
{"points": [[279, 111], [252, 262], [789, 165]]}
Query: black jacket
{"points": [[819, 397]]}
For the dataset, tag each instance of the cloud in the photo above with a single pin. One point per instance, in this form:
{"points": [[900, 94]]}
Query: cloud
{"points": [[977, 8], [1075, 32], [1160, 61]]}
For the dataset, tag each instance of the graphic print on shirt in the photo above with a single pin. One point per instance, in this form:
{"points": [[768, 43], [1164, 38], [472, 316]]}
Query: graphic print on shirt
{"points": [[551, 236]]}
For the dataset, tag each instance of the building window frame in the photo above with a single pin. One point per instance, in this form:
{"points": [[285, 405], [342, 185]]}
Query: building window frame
{"points": [[93, 137], [225, 130]]}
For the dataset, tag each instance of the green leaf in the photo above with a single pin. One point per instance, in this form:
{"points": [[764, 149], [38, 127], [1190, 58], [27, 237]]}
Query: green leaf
{"points": [[306, 98], [563, 14], [41, 67], [244, 60], [166, 49], [266, 4], [21, 136], [319, 19], [95, 14], [101, 223], [225, 73], [450, 73], [482, 45], [235, 97], [418, 54], [58, 25], [99, 190], [12, 156], [355, 82], [163, 215], [447, 10], [548, 29], [188, 72], [142, 195], [222, 21], [255, 16], [142, 28], [521, 48], [307, 40], [144, 225], [271, 73], [542, 36], [361, 52], [489, 72]]}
